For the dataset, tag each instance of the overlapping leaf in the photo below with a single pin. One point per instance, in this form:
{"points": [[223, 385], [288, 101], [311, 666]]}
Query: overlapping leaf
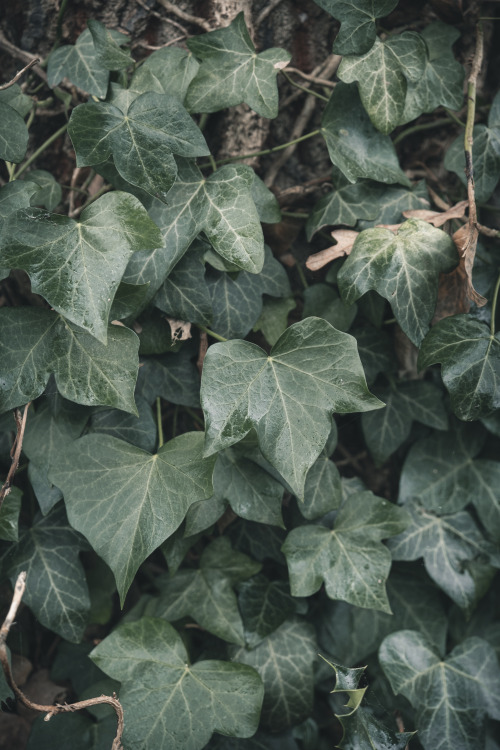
{"points": [[323, 301], [168, 701], [392, 200], [127, 501], [14, 97], [142, 142], [173, 377], [451, 696], [138, 430], [346, 204], [375, 351], [77, 265], [404, 268], [232, 72], [357, 31], [273, 320], [79, 63], [107, 46], [50, 192], [169, 70], [13, 134], [349, 557], [287, 396], [264, 606], [470, 364], [85, 370], [323, 488]]}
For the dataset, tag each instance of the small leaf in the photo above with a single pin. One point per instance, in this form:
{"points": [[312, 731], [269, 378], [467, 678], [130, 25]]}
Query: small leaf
{"points": [[357, 31], [127, 501], [80, 64], [323, 301], [9, 515], [375, 351], [232, 72], [14, 97], [273, 320], [470, 364], [50, 193], [85, 370], [169, 70], [159, 686], [286, 397], [346, 204], [404, 268], [184, 293], [173, 377], [323, 490], [264, 606], [349, 558], [265, 201], [107, 47], [13, 134]]}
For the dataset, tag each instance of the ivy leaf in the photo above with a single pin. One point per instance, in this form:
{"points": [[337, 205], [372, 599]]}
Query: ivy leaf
{"points": [[80, 64], [136, 430], [9, 517], [375, 350], [346, 204], [265, 201], [470, 364], [184, 294], [13, 196], [392, 201], [232, 72], [451, 696], [77, 265], [173, 377], [107, 47], [169, 70], [285, 661], [323, 489], [287, 397], [127, 501], [142, 142], [404, 268], [13, 134], [357, 32], [273, 320], [159, 685], [382, 74], [450, 546], [50, 193], [129, 301], [354, 146], [56, 589], [14, 97], [85, 370], [349, 558], [405, 402], [323, 301], [264, 606]]}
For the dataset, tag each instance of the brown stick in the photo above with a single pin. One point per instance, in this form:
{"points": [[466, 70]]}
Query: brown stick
{"points": [[15, 451], [58, 708], [19, 74], [20, 54], [197, 20]]}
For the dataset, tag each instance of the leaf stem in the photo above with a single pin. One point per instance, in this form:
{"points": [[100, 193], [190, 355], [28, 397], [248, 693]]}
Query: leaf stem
{"points": [[211, 333], [494, 306], [159, 422], [265, 152], [303, 88], [295, 214], [422, 126], [453, 116], [302, 275], [40, 150]]}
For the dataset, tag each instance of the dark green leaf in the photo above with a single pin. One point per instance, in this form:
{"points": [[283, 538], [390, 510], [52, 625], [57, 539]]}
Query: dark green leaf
{"points": [[346, 204], [232, 72], [264, 606], [167, 71], [323, 489], [139, 431], [79, 63], [204, 514], [375, 350], [50, 192], [107, 47], [129, 301], [14, 97], [393, 200], [273, 320], [184, 294], [265, 201], [15, 195], [9, 515], [173, 377], [323, 301], [13, 134], [357, 32], [160, 689]]}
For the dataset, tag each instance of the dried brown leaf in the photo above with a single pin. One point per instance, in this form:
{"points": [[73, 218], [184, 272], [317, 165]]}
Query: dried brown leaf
{"points": [[345, 240], [465, 240], [437, 218], [180, 329]]}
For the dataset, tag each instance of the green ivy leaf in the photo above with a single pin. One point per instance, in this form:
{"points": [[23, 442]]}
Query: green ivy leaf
{"points": [[323, 301], [136, 430], [287, 396], [56, 589], [9, 517], [14, 97], [323, 489], [375, 350], [451, 696], [285, 661], [357, 32], [77, 265], [232, 72], [85, 370], [382, 74], [346, 204], [173, 377], [184, 294], [159, 687], [129, 301], [450, 546], [13, 134], [13, 196], [349, 558], [392, 201], [107, 46], [142, 141], [273, 320], [125, 501], [50, 193], [355, 147], [405, 402], [80, 64], [169, 70], [403, 268], [470, 364], [265, 201], [264, 606]]}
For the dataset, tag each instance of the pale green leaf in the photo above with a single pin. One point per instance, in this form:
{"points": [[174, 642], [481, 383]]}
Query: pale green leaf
{"points": [[77, 265], [79, 63], [107, 48], [357, 31], [13, 134], [232, 72], [167, 701], [403, 268], [125, 501], [85, 370], [287, 397], [169, 70], [349, 557]]}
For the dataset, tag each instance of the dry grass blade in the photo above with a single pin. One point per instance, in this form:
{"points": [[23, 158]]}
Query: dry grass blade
{"points": [[437, 218], [345, 240]]}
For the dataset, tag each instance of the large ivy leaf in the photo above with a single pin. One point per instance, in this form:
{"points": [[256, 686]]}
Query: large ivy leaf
{"points": [[355, 147], [346, 204], [285, 661], [107, 47], [451, 696], [169, 702], [232, 72], [382, 74], [80, 64], [349, 557], [404, 402], [470, 364], [77, 265], [287, 396], [264, 606], [13, 134], [357, 32], [169, 70], [404, 268], [456, 554], [142, 141], [127, 501], [56, 589], [441, 82], [85, 370]]}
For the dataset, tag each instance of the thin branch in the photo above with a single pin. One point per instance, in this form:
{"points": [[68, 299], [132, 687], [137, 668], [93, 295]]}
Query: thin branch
{"points": [[163, 18], [312, 78], [15, 452], [266, 11], [188, 17], [20, 54], [18, 75], [58, 708]]}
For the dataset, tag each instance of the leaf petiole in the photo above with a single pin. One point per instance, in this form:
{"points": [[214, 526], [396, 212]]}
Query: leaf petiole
{"points": [[40, 150], [494, 306], [159, 422]]}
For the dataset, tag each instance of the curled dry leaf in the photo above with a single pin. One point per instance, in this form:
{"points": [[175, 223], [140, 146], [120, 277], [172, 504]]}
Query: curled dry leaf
{"points": [[393, 227], [437, 218], [180, 330], [345, 240], [466, 246]]}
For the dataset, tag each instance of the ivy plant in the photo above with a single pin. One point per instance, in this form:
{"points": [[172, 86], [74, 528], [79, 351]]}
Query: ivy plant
{"points": [[242, 480]]}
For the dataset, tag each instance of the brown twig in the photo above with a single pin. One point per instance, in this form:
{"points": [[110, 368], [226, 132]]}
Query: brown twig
{"points": [[72, 196], [163, 18], [21, 54], [58, 708], [19, 74], [352, 460], [312, 78], [266, 11], [15, 451], [188, 17], [202, 351]]}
